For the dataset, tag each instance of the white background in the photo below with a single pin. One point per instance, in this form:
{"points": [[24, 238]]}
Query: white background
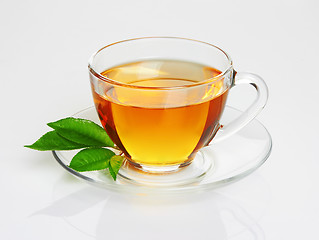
{"points": [[44, 48]]}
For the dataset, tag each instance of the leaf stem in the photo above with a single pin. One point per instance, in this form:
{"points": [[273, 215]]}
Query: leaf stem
{"points": [[116, 147]]}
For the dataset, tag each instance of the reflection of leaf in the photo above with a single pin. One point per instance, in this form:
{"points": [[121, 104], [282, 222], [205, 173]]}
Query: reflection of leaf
{"points": [[74, 203]]}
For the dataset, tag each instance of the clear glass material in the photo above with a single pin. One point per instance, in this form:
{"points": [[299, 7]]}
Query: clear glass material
{"points": [[149, 146], [251, 148]]}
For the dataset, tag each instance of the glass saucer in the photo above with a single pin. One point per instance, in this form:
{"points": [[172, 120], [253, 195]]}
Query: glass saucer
{"points": [[225, 161]]}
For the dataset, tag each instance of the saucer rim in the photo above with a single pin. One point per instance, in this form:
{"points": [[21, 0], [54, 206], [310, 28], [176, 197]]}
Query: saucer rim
{"points": [[115, 186]]}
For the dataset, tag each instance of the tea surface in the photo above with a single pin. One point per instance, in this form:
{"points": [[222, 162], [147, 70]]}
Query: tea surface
{"points": [[162, 127]]}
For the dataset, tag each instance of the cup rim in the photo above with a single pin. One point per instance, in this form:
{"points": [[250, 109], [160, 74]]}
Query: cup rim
{"points": [[113, 82]]}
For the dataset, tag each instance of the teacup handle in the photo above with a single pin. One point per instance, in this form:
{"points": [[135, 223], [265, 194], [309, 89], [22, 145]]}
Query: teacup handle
{"points": [[248, 115]]}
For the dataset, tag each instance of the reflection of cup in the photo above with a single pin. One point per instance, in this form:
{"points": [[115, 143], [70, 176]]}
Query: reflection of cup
{"points": [[230, 213], [160, 99]]}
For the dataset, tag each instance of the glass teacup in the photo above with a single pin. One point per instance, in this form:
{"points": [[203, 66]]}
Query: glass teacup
{"points": [[160, 99]]}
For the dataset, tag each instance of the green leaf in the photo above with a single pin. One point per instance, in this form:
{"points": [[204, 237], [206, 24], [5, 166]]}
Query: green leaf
{"points": [[115, 165], [91, 159], [53, 141], [82, 131]]}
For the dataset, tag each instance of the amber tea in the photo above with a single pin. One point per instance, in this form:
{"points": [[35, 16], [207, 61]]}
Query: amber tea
{"points": [[158, 127]]}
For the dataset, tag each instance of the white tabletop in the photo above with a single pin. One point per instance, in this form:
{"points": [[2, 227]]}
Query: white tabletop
{"points": [[44, 48]]}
